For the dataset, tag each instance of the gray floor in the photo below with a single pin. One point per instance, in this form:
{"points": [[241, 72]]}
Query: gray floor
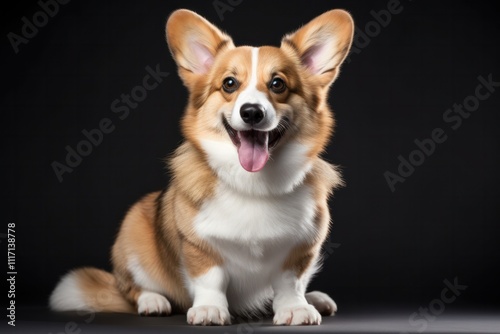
{"points": [[39, 320]]}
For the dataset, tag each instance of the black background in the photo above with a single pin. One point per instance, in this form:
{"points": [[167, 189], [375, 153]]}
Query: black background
{"points": [[385, 247]]}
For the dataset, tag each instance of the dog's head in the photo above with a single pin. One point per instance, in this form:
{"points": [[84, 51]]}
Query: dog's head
{"points": [[252, 102]]}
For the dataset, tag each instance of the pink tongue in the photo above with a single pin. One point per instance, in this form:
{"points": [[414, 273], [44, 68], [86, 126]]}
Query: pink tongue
{"points": [[253, 151]]}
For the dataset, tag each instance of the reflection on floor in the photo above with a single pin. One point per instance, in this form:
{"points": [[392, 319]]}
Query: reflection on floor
{"points": [[40, 320]]}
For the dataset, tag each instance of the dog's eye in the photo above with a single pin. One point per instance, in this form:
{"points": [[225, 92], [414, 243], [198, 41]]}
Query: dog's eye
{"points": [[230, 84], [277, 85]]}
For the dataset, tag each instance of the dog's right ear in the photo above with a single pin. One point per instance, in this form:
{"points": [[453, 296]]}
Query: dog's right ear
{"points": [[194, 43]]}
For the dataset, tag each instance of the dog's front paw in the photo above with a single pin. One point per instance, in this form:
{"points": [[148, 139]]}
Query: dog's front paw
{"points": [[208, 315], [297, 315]]}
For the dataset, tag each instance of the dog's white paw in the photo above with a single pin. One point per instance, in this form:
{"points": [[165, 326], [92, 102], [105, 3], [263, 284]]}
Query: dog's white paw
{"points": [[208, 315], [297, 315], [153, 304], [322, 302]]}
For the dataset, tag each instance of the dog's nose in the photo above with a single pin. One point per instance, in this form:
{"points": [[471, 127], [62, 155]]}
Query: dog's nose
{"points": [[251, 113]]}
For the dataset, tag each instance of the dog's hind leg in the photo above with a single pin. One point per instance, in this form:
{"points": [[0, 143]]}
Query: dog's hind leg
{"points": [[321, 302]]}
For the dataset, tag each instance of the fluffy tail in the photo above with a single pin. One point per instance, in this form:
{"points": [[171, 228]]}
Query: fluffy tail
{"points": [[89, 289]]}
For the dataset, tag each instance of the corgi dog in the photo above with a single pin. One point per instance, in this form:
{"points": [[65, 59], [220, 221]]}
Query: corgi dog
{"points": [[240, 228]]}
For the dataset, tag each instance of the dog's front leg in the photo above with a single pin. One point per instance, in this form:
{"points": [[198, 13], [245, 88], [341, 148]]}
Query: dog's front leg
{"points": [[290, 305], [207, 283], [210, 303]]}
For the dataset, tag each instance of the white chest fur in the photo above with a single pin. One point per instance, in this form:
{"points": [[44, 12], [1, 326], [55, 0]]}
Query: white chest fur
{"points": [[254, 234], [245, 219]]}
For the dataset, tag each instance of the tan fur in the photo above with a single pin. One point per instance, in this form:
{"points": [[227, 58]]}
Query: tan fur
{"points": [[139, 236], [297, 45], [191, 175], [158, 230], [101, 291], [323, 180]]}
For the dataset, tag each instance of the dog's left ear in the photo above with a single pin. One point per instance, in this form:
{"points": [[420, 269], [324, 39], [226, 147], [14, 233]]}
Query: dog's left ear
{"points": [[322, 44]]}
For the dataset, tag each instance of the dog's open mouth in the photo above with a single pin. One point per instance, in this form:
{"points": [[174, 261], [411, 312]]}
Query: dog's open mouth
{"points": [[253, 145]]}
